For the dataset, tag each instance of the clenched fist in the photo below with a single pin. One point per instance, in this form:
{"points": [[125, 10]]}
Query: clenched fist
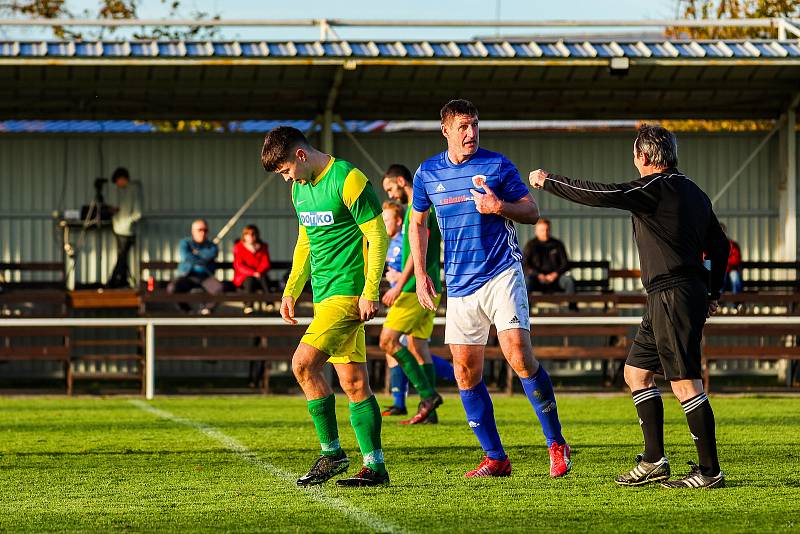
{"points": [[537, 178]]}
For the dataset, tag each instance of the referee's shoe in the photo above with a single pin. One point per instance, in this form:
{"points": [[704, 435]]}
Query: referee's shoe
{"points": [[644, 473], [696, 479]]}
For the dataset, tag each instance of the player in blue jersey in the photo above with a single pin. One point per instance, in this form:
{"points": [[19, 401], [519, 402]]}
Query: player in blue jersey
{"points": [[393, 215], [477, 196]]}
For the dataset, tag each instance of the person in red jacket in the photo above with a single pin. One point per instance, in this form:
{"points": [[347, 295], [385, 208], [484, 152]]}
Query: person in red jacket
{"points": [[733, 273], [250, 263]]}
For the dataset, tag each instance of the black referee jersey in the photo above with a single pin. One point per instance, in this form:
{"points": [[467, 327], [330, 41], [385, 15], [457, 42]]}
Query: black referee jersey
{"points": [[673, 226]]}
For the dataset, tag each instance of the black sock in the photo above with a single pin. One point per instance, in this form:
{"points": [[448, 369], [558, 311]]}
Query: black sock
{"points": [[651, 418], [701, 424]]}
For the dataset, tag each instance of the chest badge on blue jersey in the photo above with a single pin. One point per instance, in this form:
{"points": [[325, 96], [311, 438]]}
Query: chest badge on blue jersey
{"points": [[478, 180]]}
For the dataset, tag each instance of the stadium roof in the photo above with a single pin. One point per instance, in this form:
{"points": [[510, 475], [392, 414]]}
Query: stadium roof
{"points": [[371, 80]]}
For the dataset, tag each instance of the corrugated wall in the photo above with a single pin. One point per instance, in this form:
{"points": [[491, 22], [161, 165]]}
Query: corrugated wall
{"points": [[211, 175]]}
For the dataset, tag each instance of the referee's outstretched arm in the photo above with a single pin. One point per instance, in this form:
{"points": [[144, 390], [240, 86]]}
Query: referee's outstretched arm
{"points": [[632, 196]]}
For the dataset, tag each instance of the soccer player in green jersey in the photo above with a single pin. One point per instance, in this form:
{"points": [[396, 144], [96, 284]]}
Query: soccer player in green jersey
{"points": [[406, 315], [342, 244]]}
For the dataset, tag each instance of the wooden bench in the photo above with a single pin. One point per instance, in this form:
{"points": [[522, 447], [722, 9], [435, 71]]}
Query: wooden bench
{"points": [[614, 348], [160, 295], [110, 353], [756, 283], [30, 343], [256, 344], [44, 297], [588, 278], [762, 351]]}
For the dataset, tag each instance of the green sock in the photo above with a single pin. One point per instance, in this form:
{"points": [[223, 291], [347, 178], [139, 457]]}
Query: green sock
{"points": [[323, 413], [430, 373], [365, 416], [415, 373]]}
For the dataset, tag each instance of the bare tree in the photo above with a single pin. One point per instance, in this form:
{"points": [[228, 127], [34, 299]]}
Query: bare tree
{"points": [[731, 9], [110, 9]]}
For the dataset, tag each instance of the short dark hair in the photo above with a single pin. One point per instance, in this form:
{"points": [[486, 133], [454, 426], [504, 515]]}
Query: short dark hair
{"points": [[278, 146], [458, 106], [120, 172], [658, 144], [396, 170], [542, 220]]}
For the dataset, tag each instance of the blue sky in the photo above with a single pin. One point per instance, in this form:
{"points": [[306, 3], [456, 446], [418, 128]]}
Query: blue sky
{"points": [[402, 10]]}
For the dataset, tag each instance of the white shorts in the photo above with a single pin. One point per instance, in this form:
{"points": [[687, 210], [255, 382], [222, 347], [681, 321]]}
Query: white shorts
{"points": [[502, 301]]}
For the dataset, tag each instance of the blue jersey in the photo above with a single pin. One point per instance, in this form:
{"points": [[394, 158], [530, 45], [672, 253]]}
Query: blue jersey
{"points": [[476, 247], [394, 254]]}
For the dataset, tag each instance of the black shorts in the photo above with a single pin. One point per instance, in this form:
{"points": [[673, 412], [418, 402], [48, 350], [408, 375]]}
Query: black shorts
{"points": [[669, 338]]}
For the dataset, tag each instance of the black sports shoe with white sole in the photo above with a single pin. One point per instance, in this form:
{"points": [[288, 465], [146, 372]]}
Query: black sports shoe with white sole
{"points": [[325, 468], [644, 473], [365, 477], [697, 480]]}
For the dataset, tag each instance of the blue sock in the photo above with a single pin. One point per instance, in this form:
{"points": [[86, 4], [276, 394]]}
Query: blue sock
{"points": [[480, 416], [444, 369], [539, 390], [398, 385]]}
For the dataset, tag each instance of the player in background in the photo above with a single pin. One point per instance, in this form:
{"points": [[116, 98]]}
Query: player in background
{"points": [[406, 316], [342, 244], [485, 283], [673, 224], [393, 215]]}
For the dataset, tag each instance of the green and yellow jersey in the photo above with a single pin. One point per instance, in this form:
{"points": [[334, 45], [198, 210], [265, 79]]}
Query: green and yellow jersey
{"points": [[434, 252], [339, 214]]}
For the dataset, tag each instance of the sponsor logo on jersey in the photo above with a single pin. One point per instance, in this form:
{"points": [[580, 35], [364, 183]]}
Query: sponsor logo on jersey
{"points": [[478, 180], [514, 320], [440, 188], [456, 200], [316, 218]]}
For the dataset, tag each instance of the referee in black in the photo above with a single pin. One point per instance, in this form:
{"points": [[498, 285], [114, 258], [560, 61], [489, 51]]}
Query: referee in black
{"points": [[674, 226]]}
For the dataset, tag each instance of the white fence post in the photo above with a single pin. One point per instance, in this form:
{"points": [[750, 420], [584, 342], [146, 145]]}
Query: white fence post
{"points": [[149, 360]]}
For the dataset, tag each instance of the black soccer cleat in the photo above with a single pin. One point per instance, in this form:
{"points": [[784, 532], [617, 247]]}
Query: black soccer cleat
{"points": [[394, 410], [325, 468], [644, 473], [365, 477], [697, 480]]}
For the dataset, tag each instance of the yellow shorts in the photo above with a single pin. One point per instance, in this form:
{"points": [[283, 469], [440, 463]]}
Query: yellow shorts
{"points": [[337, 331], [407, 316]]}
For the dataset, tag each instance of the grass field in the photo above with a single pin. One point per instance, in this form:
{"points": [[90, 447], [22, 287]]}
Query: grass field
{"points": [[227, 464]]}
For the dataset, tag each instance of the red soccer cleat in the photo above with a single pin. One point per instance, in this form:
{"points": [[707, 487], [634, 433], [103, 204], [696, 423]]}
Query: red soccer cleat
{"points": [[491, 468], [560, 461]]}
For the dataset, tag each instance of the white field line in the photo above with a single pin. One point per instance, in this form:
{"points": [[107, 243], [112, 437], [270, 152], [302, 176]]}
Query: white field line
{"points": [[317, 494]]}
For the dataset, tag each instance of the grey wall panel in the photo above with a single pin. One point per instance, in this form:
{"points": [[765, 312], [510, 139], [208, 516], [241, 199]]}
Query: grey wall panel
{"points": [[186, 176]]}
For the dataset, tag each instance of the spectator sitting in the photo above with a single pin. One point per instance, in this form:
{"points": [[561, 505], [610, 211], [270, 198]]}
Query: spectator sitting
{"points": [[250, 264], [393, 213], [196, 268], [546, 263], [733, 274]]}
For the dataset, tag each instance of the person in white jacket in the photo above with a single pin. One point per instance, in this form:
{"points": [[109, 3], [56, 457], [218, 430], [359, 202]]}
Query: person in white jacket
{"points": [[127, 212]]}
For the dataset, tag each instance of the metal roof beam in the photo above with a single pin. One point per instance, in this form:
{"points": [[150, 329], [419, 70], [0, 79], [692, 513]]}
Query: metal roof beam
{"points": [[377, 23], [327, 26]]}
